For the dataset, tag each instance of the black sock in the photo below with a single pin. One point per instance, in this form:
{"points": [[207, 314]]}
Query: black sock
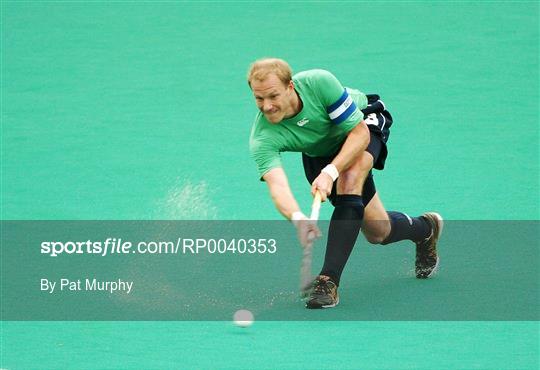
{"points": [[342, 233], [407, 228]]}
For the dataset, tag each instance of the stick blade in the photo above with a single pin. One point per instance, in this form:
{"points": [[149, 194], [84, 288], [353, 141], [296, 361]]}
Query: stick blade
{"points": [[306, 278]]}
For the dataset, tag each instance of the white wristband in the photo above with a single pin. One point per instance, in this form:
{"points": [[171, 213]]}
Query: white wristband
{"points": [[332, 171], [297, 216]]}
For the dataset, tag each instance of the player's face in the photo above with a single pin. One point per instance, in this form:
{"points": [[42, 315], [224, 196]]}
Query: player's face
{"points": [[273, 98]]}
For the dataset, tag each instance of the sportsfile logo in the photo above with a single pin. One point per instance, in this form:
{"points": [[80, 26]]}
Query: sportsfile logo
{"points": [[302, 122]]}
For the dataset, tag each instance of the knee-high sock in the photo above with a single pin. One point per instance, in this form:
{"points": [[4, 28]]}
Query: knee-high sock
{"points": [[404, 227], [342, 233]]}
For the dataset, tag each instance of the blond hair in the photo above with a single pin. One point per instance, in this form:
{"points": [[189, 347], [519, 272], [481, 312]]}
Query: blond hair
{"points": [[260, 69]]}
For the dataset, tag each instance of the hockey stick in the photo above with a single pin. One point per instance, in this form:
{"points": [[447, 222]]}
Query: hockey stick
{"points": [[306, 279]]}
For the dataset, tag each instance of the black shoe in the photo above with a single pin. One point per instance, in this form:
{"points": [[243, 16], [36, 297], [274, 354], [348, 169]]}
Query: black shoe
{"points": [[324, 294], [427, 260]]}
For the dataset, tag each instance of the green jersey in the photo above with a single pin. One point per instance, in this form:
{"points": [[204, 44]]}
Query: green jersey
{"points": [[329, 113]]}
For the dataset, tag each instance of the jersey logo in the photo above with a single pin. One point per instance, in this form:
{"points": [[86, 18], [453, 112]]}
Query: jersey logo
{"points": [[302, 122], [371, 119]]}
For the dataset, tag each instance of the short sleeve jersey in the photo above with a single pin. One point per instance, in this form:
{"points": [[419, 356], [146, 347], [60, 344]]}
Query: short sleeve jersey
{"points": [[329, 113]]}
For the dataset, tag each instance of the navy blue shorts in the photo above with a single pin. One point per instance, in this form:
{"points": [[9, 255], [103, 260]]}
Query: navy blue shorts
{"points": [[378, 120]]}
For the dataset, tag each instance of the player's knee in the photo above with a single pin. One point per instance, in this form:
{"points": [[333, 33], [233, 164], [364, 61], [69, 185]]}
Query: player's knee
{"points": [[362, 165], [365, 163], [375, 232], [374, 239], [350, 182]]}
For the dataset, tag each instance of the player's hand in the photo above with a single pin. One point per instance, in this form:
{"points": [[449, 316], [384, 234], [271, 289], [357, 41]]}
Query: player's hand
{"points": [[307, 231], [323, 183]]}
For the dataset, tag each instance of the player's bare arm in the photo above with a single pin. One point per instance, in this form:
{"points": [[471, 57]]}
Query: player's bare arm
{"points": [[280, 191], [283, 199]]}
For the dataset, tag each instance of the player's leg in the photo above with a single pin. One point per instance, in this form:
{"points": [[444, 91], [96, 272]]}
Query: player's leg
{"points": [[382, 227], [385, 227], [376, 225], [347, 217], [342, 233]]}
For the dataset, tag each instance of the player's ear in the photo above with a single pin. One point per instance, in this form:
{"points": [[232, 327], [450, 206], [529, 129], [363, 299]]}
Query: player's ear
{"points": [[290, 86]]}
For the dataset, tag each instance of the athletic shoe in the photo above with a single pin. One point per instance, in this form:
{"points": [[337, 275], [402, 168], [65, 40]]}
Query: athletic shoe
{"points": [[427, 260], [324, 294]]}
